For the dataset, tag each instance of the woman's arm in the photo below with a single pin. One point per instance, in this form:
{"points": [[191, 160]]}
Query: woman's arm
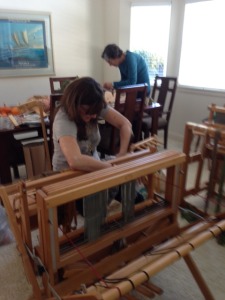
{"points": [[78, 161], [123, 124]]}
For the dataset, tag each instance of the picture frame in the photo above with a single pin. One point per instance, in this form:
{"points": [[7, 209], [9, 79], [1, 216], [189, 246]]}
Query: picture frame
{"points": [[25, 44]]}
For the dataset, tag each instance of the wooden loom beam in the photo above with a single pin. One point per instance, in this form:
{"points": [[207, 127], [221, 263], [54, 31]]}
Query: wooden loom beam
{"points": [[87, 184], [198, 277]]}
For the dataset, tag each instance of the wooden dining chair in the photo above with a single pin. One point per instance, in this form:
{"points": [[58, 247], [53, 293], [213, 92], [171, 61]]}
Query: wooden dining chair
{"points": [[36, 154], [130, 102], [163, 92], [58, 84]]}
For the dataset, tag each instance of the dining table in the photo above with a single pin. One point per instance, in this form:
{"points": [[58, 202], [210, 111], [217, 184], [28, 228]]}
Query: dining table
{"points": [[20, 133]]}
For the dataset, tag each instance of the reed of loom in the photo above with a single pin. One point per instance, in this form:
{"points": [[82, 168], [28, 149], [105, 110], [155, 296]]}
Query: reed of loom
{"points": [[211, 145], [133, 236]]}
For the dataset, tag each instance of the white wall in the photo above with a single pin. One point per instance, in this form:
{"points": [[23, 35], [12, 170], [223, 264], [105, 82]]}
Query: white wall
{"points": [[117, 30], [77, 34], [191, 106]]}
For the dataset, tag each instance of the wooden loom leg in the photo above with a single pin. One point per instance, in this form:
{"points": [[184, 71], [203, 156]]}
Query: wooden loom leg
{"points": [[26, 260], [198, 277], [142, 289], [186, 149], [212, 171], [153, 287]]}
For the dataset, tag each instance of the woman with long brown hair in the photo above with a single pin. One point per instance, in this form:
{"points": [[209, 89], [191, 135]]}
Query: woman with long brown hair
{"points": [[75, 128]]}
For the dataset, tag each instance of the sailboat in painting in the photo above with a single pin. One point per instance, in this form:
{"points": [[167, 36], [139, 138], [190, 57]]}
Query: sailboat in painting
{"points": [[23, 42], [25, 37]]}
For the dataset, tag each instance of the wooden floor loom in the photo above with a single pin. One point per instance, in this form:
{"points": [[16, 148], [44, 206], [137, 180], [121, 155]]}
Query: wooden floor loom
{"points": [[204, 145], [110, 255]]}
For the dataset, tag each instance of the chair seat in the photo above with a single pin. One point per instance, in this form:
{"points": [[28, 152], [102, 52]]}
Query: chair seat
{"points": [[147, 122]]}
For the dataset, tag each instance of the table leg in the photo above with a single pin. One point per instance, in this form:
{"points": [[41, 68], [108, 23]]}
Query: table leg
{"points": [[5, 172]]}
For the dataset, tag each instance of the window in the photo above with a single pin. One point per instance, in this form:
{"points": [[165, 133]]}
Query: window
{"points": [[149, 36], [202, 61]]}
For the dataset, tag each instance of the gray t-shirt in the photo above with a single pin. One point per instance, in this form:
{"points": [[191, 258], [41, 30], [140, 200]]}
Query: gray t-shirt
{"points": [[62, 126]]}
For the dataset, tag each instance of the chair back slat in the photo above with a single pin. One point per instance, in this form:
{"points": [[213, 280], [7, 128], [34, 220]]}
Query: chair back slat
{"points": [[42, 149], [58, 84]]}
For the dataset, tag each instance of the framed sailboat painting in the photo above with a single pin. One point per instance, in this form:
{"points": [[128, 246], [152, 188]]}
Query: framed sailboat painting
{"points": [[25, 44]]}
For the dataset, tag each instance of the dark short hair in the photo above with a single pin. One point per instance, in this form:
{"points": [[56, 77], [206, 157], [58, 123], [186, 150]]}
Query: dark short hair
{"points": [[111, 51]]}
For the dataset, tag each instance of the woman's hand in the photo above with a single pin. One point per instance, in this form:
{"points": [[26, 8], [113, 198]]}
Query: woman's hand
{"points": [[108, 85], [78, 161]]}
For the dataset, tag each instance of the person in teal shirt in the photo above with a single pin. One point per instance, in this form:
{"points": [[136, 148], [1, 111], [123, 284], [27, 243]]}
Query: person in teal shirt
{"points": [[132, 66]]}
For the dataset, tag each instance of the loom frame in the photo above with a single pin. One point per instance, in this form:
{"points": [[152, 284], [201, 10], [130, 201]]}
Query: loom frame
{"points": [[52, 196]]}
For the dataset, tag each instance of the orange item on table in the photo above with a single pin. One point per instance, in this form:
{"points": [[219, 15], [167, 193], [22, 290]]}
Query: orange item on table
{"points": [[5, 109], [15, 111]]}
